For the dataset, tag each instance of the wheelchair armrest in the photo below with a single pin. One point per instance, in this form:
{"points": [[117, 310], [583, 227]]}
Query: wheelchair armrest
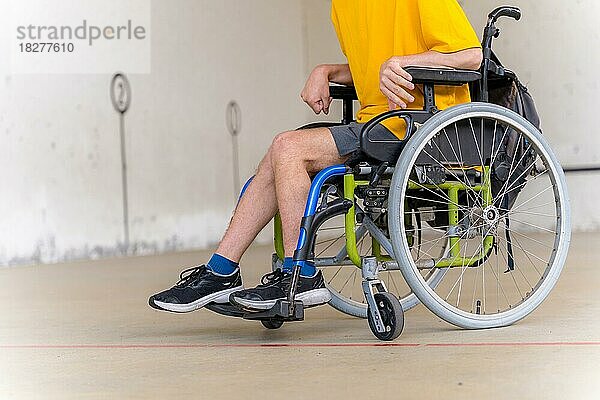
{"points": [[342, 92], [442, 76], [347, 94]]}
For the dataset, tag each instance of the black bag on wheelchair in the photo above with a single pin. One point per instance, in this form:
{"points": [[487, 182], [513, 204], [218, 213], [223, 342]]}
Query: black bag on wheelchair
{"points": [[512, 164]]}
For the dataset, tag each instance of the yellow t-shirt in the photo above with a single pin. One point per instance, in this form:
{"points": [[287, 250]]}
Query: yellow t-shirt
{"points": [[372, 31]]}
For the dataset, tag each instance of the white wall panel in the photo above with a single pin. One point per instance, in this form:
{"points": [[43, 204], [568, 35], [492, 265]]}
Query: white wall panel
{"points": [[61, 169]]}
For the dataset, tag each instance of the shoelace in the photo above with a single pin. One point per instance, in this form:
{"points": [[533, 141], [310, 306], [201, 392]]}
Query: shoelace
{"points": [[193, 274], [276, 276]]}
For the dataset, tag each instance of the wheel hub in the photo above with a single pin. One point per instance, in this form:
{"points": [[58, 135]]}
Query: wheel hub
{"points": [[491, 215], [483, 221]]}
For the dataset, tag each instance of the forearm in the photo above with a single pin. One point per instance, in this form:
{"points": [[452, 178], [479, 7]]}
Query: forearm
{"points": [[396, 83], [338, 73], [465, 59], [316, 90]]}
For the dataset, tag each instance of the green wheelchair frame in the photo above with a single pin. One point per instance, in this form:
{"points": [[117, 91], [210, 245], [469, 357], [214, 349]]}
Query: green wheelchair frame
{"points": [[453, 189]]}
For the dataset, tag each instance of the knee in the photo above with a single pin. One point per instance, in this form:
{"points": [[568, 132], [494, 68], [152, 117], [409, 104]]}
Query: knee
{"points": [[285, 148], [265, 165]]}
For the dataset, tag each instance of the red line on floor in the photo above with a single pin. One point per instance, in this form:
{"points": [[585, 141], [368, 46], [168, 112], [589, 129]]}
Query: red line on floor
{"points": [[510, 344], [293, 345]]}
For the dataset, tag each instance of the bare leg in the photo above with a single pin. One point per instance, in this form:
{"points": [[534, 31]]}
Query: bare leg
{"points": [[281, 182], [295, 157], [256, 208]]}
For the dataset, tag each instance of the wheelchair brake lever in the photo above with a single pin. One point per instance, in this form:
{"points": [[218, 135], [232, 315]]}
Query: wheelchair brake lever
{"points": [[331, 189], [378, 174]]}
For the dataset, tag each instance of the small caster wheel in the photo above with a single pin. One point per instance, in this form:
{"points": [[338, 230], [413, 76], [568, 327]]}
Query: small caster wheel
{"points": [[392, 317], [272, 323]]}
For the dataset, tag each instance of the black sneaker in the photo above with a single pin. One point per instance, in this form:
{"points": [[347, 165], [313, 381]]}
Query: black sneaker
{"points": [[311, 291], [197, 287]]}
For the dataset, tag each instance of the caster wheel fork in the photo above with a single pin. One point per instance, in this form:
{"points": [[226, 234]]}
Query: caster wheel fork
{"points": [[384, 311]]}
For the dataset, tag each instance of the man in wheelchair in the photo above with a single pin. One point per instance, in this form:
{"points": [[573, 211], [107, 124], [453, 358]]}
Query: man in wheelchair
{"points": [[379, 39]]}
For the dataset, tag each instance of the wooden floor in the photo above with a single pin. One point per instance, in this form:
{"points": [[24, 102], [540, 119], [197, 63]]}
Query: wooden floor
{"points": [[84, 331]]}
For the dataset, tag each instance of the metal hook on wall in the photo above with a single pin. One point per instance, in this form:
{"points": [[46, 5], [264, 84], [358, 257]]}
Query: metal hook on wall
{"points": [[233, 119], [120, 96]]}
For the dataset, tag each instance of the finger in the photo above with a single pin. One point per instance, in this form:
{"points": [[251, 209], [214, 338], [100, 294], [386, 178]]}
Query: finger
{"points": [[399, 80], [326, 103], [409, 98], [317, 106], [391, 105], [393, 97], [398, 70], [398, 90]]}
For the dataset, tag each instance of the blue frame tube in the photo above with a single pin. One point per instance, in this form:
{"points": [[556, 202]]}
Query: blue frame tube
{"points": [[313, 199], [317, 185]]}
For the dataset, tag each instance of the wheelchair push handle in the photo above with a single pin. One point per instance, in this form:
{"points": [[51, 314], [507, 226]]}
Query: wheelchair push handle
{"points": [[504, 11], [490, 32]]}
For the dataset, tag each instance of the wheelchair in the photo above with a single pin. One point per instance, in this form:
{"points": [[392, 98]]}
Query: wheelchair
{"points": [[468, 214]]}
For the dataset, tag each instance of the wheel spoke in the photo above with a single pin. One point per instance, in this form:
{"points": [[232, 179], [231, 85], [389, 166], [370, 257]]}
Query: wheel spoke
{"points": [[330, 245], [511, 188], [537, 227], [510, 273], [529, 238], [532, 198], [530, 261], [453, 151]]}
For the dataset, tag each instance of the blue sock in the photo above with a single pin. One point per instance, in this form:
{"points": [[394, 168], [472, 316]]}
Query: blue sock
{"points": [[221, 265], [308, 270]]}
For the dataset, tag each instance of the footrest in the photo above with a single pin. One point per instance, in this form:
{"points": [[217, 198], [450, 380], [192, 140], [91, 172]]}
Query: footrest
{"points": [[225, 309], [281, 310]]}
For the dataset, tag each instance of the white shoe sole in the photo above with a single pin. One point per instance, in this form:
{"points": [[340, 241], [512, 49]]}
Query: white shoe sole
{"points": [[218, 297], [310, 298]]}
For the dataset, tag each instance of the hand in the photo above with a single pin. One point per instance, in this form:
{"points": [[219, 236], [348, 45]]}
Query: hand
{"points": [[316, 91], [394, 83]]}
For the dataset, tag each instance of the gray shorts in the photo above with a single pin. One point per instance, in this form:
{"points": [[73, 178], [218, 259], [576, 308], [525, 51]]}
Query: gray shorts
{"points": [[347, 137]]}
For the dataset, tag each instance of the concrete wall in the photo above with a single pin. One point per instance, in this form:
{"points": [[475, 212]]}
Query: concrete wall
{"points": [[61, 171], [61, 165]]}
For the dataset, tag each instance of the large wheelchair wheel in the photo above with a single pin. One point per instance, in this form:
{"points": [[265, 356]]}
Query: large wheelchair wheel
{"points": [[484, 179]]}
